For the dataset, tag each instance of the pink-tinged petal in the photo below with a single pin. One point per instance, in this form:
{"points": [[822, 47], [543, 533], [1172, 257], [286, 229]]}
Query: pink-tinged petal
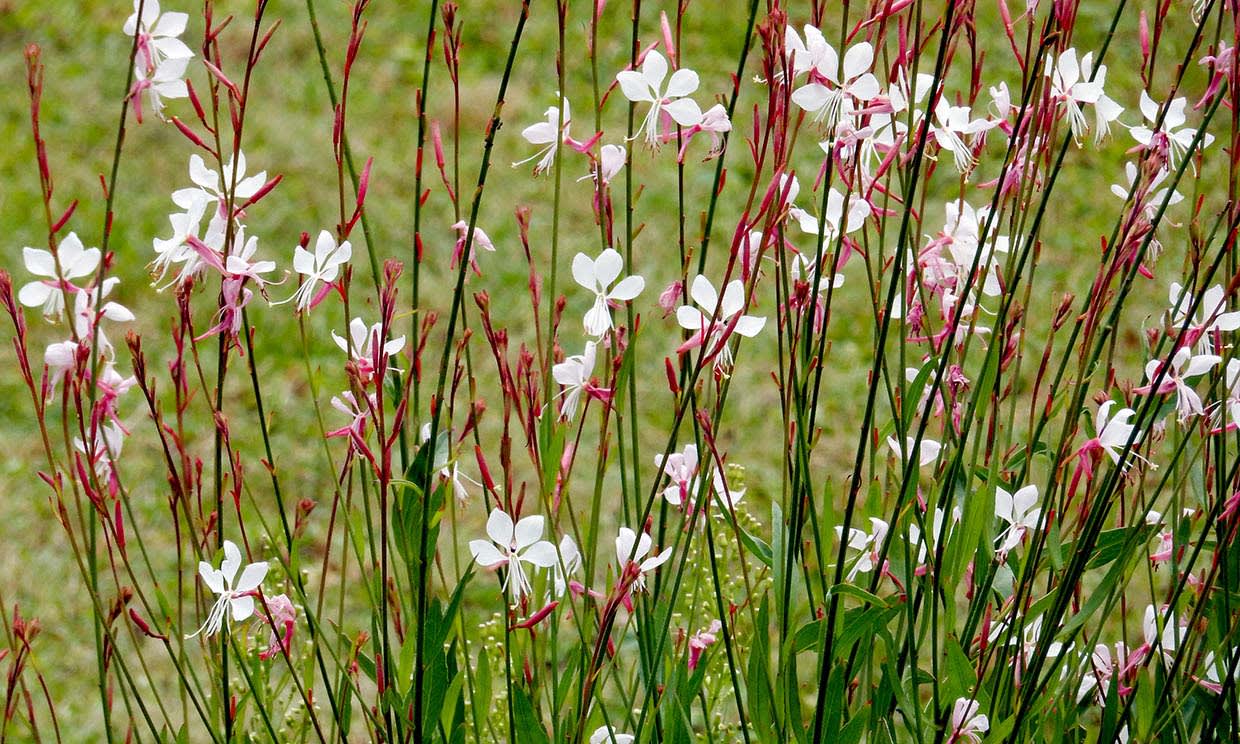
{"points": [[485, 554], [251, 577], [39, 262], [634, 86], [750, 326], [500, 528], [242, 608], [528, 531], [212, 578], [684, 81], [857, 61], [703, 293], [541, 554], [607, 267], [631, 286], [689, 318], [654, 68], [684, 111]]}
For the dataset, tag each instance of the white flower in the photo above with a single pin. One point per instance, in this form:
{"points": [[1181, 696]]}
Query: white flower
{"points": [[927, 453], [210, 184], [62, 357], [165, 81], [321, 266], [235, 601], [362, 340], [681, 470], [1211, 318], [1162, 629], [75, 263], [711, 329], [597, 276], [106, 450], [868, 543], [608, 735], [517, 544], [1184, 364], [158, 34], [631, 553], [647, 87], [610, 160], [967, 723], [1170, 134], [851, 81], [1019, 511], [834, 218], [1152, 203], [574, 374], [952, 126], [1070, 83], [86, 315], [549, 132], [567, 565], [1114, 431], [1100, 667], [814, 51]]}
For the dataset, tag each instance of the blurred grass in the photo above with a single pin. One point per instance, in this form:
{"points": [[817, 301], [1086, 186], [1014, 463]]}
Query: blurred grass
{"points": [[288, 132]]}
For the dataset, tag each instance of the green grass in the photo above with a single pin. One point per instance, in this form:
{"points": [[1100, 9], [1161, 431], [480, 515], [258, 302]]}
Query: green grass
{"points": [[288, 132]]}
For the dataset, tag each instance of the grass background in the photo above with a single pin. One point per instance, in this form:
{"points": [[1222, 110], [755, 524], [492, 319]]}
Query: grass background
{"points": [[288, 132]]}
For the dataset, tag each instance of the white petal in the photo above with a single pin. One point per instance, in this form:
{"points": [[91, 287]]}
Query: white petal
{"points": [[39, 262], [631, 286], [485, 554], [689, 318], [634, 86], [684, 81], [528, 531], [703, 293], [684, 111], [654, 68], [607, 267], [541, 554], [212, 578], [749, 326], [251, 577], [857, 60], [242, 607], [500, 528]]}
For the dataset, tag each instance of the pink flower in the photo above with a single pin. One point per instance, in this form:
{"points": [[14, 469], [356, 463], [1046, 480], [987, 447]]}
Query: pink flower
{"points": [[702, 640], [283, 619]]}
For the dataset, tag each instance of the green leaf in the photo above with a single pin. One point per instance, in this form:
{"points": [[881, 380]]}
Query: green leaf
{"points": [[961, 679], [758, 678], [528, 728]]}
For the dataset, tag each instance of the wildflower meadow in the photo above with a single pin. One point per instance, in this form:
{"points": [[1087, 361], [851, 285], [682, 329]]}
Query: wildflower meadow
{"points": [[619, 371]]}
